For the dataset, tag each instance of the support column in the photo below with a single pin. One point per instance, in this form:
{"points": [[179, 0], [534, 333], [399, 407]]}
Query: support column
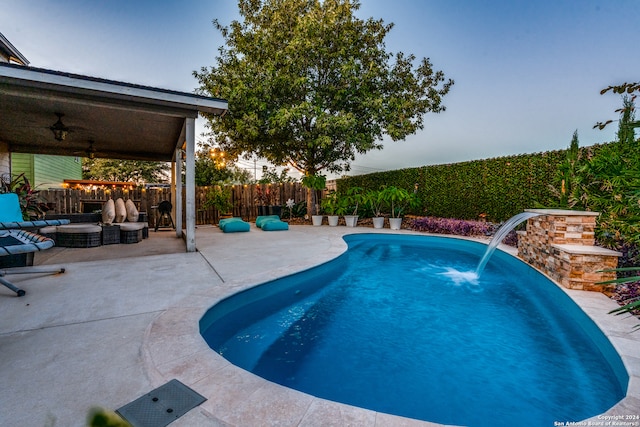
{"points": [[178, 190], [191, 183]]}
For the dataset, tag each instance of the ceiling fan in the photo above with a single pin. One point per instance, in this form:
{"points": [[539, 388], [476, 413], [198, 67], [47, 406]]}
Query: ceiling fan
{"points": [[90, 152]]}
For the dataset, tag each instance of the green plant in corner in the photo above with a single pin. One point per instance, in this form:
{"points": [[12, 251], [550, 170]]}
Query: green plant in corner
{"points": [[100, 417], [632, 307]]}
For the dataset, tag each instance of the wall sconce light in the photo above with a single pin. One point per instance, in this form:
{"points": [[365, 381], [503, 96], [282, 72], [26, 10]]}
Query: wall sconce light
{"points": [[59, 130]]}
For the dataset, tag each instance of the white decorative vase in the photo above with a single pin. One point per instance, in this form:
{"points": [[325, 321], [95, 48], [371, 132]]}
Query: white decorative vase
{"points": [[378, 222], [395, 223], [333, 220], [351, 220], [316, 220]]}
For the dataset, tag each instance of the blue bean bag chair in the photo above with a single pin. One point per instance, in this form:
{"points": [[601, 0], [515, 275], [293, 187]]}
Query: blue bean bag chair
{"points": [[233, 225], [266, 218], [271, 223], [274, 225]]}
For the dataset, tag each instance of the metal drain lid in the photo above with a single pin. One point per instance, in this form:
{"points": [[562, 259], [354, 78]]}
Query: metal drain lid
{"points": [[161, 406]]}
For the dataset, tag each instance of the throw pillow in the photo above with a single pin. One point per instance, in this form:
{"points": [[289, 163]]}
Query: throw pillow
{"points": [[121, 211], [108, 212], [132, 212]]}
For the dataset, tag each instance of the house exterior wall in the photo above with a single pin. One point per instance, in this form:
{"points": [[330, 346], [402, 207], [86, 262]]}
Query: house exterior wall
{"points": [[5, 159], [44, 171]]}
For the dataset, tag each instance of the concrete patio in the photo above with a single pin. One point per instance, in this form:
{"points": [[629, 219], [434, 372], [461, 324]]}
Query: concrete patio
{"points": [[122, 320]]}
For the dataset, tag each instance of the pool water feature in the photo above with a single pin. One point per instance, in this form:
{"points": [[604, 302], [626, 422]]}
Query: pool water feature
{"points": [[384, 327]]}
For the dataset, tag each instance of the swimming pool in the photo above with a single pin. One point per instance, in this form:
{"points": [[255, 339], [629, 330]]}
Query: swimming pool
{"points": [[382, 328]]}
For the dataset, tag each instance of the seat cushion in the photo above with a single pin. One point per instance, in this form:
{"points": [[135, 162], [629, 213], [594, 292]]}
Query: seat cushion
{"points": [[132, 226], [264, 218], [50, 229], [10, 208], [274, 225], [78, 228]]}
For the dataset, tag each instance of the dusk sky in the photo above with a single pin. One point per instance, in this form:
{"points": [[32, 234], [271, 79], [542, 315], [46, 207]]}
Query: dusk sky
{"points": [[527, 73]]}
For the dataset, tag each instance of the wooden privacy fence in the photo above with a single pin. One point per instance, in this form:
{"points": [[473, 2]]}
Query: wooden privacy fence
{"points": [[246, 200]]}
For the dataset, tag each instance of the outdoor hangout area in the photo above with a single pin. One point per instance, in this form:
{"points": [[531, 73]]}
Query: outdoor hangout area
{"points": [[310, 229]]}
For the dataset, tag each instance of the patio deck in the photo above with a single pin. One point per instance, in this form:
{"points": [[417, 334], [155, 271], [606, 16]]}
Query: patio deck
{"points": [[122, 320]]}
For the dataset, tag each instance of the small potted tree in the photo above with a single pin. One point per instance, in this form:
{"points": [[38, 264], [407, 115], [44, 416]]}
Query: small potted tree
{"points": [[398, 199], [352, 199], [315, 184], [375, 200], [330, 205], [220, 198]]}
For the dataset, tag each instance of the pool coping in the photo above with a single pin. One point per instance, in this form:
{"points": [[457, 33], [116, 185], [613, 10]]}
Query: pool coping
{"points": [[173, 348]]}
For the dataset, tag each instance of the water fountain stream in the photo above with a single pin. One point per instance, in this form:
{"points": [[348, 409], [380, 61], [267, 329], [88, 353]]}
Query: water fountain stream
{"points": [[502, 232]]}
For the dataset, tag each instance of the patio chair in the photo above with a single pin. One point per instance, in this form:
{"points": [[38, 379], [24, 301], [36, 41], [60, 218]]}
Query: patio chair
{"points": [[18, 243]]}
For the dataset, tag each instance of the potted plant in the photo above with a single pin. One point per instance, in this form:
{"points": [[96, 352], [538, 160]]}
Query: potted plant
{"points": [[352, 200], [374, 200], [315, 184], [32, 205], [220, 198], [398, 199], [330, 205], [262, 201]]}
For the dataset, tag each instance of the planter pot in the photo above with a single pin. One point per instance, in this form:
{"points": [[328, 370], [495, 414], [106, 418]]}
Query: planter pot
{"points": [[378, 222], [316, 220], [275, 210], [395, 223], [333, 220], [263, 210], [351, 220]]}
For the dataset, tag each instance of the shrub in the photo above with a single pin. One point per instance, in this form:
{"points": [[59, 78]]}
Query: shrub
{"points": [[458, 227]]}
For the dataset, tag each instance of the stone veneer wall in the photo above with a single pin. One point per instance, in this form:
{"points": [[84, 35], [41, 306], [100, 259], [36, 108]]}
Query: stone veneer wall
{"points": [[560, 243]]}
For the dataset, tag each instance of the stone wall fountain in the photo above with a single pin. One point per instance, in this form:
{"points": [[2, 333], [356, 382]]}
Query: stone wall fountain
{"points": [[561, 244]]}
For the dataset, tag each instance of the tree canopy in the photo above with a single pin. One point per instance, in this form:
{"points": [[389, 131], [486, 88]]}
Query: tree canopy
{"points": [[624, 88], [310, 85], [209, 171], [124, 170]]}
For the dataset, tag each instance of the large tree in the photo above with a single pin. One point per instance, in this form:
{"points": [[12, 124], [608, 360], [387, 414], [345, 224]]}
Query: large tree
{"points": [[310, 85], [210, 170], [125, 170]]}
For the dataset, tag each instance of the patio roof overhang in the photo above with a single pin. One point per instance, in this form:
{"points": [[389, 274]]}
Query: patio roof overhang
{"points": [[117, 120], [124, 121]]}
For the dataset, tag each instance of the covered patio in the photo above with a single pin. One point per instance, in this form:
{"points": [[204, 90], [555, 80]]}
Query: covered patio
{"points": [[105, 119]]}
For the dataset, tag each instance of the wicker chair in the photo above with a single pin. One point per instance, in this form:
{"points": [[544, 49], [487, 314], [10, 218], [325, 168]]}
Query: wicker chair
{"points": [[16, 243]]}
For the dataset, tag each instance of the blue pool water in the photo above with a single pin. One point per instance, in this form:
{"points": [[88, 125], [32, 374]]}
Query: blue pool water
{"points": [[391, 326]]}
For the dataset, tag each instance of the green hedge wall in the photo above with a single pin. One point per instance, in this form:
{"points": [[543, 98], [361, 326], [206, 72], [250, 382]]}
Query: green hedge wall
{"points": [[499, 187]]}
